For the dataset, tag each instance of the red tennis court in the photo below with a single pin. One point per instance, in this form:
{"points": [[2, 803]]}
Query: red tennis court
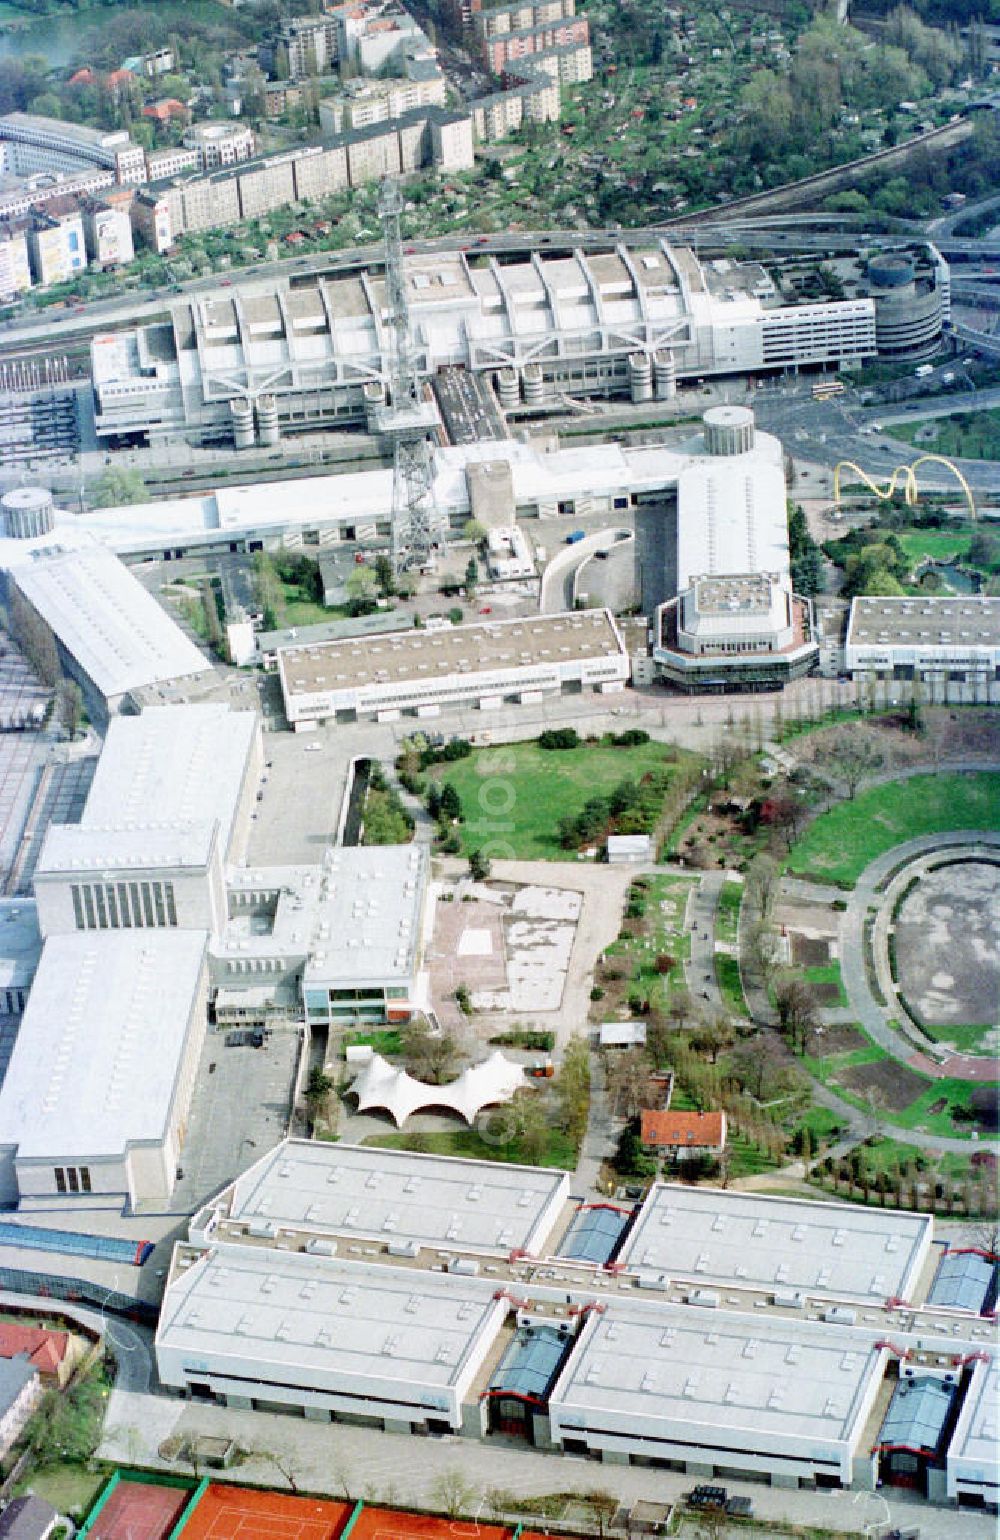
{"points": [[390, 1524], [240, 1513], [140, 1510]]}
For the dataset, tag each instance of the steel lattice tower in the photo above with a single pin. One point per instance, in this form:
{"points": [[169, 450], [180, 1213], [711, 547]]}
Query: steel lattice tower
{"points": [[416, 524]]}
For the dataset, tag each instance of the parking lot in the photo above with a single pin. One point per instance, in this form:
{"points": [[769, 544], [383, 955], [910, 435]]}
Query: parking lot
{"points": [[240, 1109]]}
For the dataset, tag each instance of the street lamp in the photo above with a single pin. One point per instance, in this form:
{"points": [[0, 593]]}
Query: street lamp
{"points": [[873, 1525]]}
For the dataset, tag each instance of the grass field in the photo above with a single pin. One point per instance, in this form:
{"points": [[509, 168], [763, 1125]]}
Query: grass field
{"points": [[824, 1068], [467, 1143], [938, 544], [969, 435], [727, 972], [514, 796], [828, 973], [728, 917], [839, 844]]}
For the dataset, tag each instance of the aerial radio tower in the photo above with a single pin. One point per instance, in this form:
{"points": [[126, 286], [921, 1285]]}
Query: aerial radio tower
{"points": [[407, 420]]}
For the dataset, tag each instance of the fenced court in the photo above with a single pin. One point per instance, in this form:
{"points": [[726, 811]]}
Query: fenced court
{"points": [[241, 1513], [137, 1510], [391, 1524]]}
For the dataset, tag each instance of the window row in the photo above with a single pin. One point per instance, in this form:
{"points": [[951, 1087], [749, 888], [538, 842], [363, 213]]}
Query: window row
{"points": [[123, 905]]}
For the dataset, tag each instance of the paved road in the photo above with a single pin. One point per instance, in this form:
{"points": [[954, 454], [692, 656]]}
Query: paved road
{"points": [[133, 1346], [346, 1461]]}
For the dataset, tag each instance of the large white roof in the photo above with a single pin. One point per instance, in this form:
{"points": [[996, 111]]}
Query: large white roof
{"points": [[976, 1438], [673, 1371], [350, 1327], [747, 1239], [96, 1060], [359, 1190], [731, 514], [180, 766], [366, 922], [102, 615]]}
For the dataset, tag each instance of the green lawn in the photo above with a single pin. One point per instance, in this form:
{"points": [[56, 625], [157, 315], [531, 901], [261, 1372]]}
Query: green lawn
{"points": [[514, 796], [969, 435], [839, 844], [917, 1114], [388, 1042], [963, 1039], [467, 1143], [728, 917], [69, 1488], [727, 972], [665, 899], [938, 544]]}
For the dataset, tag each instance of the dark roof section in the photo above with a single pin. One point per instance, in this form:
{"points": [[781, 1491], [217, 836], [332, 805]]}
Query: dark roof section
{"points": [[27, 1518], [964, 1281], [917, 1416], [530, 1365], [595, 1234]]}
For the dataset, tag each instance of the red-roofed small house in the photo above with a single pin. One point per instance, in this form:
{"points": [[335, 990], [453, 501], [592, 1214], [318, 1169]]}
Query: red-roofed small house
{"points": [[118, 80], [167, 110], [55, 1354], [82, 77], [679, 1134]]}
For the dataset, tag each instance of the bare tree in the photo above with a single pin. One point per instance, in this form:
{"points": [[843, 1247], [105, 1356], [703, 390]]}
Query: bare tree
{"points": [[69, 707], [429, 1056], [762, 885], [798, 1011], [452, 1492], [628, 1081], [854, 754], [714, 1036]]}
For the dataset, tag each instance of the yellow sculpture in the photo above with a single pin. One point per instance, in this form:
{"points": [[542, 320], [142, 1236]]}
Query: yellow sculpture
{"points": [[905, 475]]}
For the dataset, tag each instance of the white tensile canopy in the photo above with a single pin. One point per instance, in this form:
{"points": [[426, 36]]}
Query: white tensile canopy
{"points": [[380, 1085]]}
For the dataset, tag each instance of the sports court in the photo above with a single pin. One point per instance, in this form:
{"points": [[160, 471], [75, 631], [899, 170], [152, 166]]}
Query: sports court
{"points": [[390, 1524], [239, 1513], [140, 1510]]}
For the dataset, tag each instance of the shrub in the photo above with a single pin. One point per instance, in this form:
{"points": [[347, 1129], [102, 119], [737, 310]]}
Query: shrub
{"points": [[559, 738], [597, 993]]}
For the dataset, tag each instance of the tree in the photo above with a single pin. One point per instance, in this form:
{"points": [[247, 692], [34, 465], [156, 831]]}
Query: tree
{"points": [[680, 1007], [385, 577], [713, 1037], [762, 885], [428, 1055], [572, 1087], [362, 583], [474, 531], [759, 1067], [798, 1011], [117, 487], [471, 573], [451, 802], [452, 1492], [319, 1088], [269, 596], [853, 755], [479, 866], [627, 1076], [69, 707]]}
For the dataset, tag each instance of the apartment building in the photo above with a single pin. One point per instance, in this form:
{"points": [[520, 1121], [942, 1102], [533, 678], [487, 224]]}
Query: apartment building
{"points": [[108, 232], [501, 51], [15, 266], [49, 144], [516, 15], [56, 242], [268, 184], [172, 160]]}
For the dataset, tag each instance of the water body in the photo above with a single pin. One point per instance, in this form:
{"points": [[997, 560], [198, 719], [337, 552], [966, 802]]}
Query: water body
{"points": [[958, 579], [62, 39]]}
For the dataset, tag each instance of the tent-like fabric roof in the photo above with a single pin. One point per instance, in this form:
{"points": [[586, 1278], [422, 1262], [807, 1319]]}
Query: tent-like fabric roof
{"points": [[379, 1085]]}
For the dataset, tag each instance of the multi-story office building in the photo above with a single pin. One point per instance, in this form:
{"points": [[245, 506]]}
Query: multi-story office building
{"points": [[49, 144], [944, 648], [219, 144], [20, 194], [172, 160]]}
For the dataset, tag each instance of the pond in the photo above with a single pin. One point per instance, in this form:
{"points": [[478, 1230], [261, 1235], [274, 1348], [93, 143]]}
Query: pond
{"points": [[60, 39], [960, 580]]}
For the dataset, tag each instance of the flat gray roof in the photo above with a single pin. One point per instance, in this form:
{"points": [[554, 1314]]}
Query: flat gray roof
{"points": [[357, 1190], [178, 765], [756, 1379], [327, 1317], [970, 620], [96, 1060], [423, 655], [977, 1432], [746, 1239], [105, 619]]}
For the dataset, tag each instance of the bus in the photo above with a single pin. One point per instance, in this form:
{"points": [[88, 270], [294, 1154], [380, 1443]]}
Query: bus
{"points": [[825, 390]]}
